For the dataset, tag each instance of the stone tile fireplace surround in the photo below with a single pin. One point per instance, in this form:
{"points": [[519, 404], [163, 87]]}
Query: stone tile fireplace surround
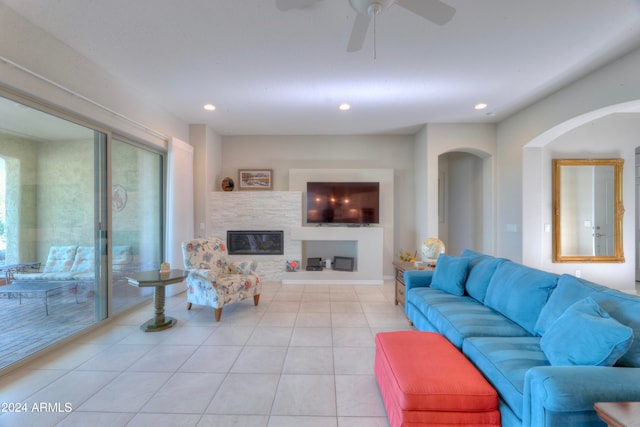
{"points": [[260, 210]]}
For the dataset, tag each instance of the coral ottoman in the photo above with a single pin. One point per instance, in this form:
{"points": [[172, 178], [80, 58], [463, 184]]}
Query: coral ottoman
{"points": [[424, 380]]}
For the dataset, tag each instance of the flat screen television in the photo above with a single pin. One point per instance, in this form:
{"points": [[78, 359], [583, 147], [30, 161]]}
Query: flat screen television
{"points": [[343, 203]]}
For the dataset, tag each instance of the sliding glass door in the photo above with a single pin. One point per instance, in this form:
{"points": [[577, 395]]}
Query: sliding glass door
{"points": [[79, 210], [137, 202], [53, 214]]}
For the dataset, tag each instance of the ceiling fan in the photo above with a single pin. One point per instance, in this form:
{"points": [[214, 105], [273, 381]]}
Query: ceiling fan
{"points": [[434, 11]]}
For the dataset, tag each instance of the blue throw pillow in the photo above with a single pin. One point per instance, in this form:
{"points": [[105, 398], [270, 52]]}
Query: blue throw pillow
{"points": [[625, 308], [569, 290], [481, 271], [585, 334], [450, 274]]}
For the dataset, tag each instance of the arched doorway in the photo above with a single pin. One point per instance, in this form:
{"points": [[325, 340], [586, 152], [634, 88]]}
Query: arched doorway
{"points": [[608, 132], [461, 196]]}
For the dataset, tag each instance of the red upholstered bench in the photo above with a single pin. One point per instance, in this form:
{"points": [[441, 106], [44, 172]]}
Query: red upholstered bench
{"points": [[424, 380]]}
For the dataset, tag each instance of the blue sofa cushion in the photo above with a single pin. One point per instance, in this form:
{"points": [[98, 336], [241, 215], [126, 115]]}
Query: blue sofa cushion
{"points": [[424, 298], [625, 308], [586, 335], [569, 290], [470, 253], [520, 292], [418, 318], [466, 317], [481, 271], [504, 362], [417, 305], [450, 274]]}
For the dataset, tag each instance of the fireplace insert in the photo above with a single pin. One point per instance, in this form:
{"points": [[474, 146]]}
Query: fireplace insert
{"points": [[255, 242]]}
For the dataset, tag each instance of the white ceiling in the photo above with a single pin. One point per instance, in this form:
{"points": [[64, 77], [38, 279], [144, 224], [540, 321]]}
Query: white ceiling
{"points": [[271, 72]]}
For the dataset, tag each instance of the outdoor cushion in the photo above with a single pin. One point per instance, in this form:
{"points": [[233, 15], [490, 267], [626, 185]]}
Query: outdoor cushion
{"points": [[57, 267], [48, 276], [586, 335], [450, 274], [60, 259], [85, 261]]}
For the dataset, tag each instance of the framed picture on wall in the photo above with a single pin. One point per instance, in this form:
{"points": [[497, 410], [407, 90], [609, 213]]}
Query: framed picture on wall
{"points": [[255, 179]]}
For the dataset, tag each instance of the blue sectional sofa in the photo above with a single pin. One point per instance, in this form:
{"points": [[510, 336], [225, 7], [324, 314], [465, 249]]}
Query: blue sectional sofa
{"points": [[550, 345]]}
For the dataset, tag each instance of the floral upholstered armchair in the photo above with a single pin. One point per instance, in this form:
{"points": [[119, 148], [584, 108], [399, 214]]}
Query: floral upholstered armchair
{"points": [[213, 280]]}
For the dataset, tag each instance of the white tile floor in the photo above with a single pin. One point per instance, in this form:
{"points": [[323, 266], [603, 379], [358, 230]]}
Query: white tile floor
{"points": [[303, 357]]}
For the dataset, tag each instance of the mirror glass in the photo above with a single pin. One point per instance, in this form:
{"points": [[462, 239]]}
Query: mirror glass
{"points": [[587, 210]]}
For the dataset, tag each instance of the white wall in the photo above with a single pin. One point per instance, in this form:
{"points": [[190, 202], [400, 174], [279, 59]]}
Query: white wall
{"points": [[206, 174], [617, 84], [32, 48], [420, 228], [298, 179], [179, 222], [435, 140], [26, 47], [283, 153], [461, 225], [612, 136]]}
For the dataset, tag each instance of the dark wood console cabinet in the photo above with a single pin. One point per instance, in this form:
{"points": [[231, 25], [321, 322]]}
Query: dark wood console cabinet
{"points": [[400, 267]]}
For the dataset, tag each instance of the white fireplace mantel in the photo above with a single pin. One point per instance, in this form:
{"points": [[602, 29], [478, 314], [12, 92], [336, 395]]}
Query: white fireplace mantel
{"points": [[369, 255]]}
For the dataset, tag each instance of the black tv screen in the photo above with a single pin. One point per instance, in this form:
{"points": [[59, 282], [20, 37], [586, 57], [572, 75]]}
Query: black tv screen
{"points": [[343, 202]]}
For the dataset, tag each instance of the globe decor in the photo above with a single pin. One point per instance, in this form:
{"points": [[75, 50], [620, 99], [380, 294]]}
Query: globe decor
{"points": [[431, 250]]}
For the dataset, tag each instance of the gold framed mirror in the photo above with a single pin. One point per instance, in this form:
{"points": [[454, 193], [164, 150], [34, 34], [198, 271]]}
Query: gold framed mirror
{"points": [[587, 210]]}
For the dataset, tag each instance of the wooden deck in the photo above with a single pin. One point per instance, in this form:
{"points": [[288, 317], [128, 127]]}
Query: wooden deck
{"points": [[26, 328]]}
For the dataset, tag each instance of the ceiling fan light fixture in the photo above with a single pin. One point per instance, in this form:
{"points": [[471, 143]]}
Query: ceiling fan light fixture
{"points": [[435, 11], [374, 9], [209, 107], [370, 7]]}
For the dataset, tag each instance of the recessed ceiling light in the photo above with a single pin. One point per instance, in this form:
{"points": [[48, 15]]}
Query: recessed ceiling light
{"points": [[480, 106], [209, 107], [344, 106]]}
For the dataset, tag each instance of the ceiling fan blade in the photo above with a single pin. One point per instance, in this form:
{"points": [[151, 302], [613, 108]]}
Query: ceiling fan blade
{"points": [[358, 33], [285, 5], [432, 10]]}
